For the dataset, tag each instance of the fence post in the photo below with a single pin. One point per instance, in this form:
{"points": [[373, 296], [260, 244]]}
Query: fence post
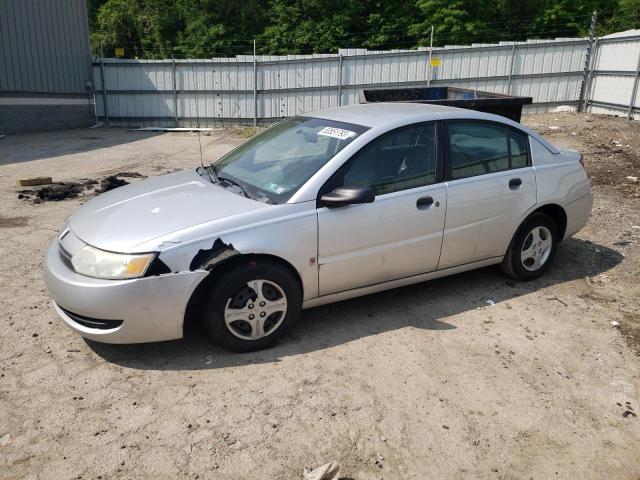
{"points": [[255, 86], [587, 61], [175, 92], [104, 91], [592, 72], [513, 61], [634, 91], [339, 79], [430, 59]]}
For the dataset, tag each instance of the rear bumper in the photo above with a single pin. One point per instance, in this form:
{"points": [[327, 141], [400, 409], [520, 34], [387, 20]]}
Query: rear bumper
{"points": [[578, 213], [140, 310]]}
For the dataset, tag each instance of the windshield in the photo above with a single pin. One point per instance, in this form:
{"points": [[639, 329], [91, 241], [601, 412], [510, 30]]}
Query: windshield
{"points": [[273, 165]]}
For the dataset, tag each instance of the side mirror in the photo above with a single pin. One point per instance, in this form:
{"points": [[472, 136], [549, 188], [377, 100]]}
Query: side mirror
{"points": [[342, 196]]}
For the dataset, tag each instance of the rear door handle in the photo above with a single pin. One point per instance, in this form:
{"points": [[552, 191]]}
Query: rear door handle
{"points": [[424, 202], [515, 183]]}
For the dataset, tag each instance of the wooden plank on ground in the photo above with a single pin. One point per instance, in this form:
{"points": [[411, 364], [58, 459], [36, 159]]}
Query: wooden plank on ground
{"points": [[30, 182]]}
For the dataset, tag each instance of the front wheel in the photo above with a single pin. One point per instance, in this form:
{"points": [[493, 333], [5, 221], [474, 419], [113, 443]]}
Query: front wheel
{"points": [[252, 306], [532, 249]]}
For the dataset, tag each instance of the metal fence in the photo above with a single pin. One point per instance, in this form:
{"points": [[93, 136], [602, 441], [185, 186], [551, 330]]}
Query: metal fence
{"points": [[613, 85], [247, 89]]}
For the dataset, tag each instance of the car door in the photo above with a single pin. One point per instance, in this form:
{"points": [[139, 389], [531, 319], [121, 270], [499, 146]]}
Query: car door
{"points": [[490, 186], [400, 233]]}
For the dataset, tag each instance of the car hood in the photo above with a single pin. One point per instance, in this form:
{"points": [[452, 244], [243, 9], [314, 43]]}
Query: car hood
{"points": [[128, 216]]}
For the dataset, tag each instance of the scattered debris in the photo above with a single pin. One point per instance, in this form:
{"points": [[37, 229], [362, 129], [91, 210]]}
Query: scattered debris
{"points": [[111, 182], [328, 471], [30, 182], [632, 179], [622, 243], [13, 222], [553, 127], [628, 413], [5, 439], [172, 129], [615, 324], [490, 302], [130, 175], [557, 300], [563, 108]]}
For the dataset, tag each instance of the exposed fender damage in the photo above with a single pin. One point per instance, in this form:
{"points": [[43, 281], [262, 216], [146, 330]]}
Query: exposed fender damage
{"points": [[157, 267], [207, 259]]}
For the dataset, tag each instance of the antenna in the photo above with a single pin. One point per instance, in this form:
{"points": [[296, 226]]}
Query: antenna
{"points": [[195, 96]]}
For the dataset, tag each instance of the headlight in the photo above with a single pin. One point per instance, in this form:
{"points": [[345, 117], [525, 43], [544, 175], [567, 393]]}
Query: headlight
{"points": [[96, 263]]}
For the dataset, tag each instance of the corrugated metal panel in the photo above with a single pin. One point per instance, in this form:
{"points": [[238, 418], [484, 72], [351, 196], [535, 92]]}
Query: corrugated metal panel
{"points": [[615, 63], [44, 46], [612, 89], [618, 55]]}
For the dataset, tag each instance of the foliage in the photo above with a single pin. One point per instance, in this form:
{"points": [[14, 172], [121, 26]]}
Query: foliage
{"points": [[205, 28]]}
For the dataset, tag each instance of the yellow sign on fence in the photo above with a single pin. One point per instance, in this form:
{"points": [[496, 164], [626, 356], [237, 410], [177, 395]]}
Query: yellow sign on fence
{"points": [[119, 52], [436, 62]]}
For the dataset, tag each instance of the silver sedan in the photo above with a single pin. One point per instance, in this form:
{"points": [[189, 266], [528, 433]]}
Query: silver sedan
{"points": [[316, 209]]}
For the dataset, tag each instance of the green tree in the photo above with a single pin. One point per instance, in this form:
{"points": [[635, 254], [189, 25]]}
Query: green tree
{"points": [[302, 26], [455, 21], [626, 16], [205, 28], [219, 27], [142, 27], [568, 18]]}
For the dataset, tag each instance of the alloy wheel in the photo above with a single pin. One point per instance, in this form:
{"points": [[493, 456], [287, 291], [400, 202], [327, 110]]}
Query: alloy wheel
{"points": [[256, 309], [536, 248]]}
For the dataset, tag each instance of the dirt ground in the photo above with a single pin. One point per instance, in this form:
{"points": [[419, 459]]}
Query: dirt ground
{"points": [[427, 381]]}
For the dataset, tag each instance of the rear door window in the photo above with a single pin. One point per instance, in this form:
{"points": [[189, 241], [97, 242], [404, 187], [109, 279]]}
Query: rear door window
{"points": [[481, 148]]}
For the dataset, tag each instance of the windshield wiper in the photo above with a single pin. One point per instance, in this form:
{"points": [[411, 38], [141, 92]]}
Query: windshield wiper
{"points": [[213, 175], [237, 184]]}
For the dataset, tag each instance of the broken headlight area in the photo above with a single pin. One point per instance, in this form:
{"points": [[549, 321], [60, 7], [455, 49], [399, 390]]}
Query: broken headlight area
{"points": [[96, 263]]}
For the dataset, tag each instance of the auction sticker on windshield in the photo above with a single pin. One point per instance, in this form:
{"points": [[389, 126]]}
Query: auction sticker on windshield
{"points": [[275, 188], [336, 133]]}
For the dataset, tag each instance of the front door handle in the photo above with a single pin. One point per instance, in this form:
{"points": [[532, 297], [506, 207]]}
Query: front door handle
{"points": [[424, 202], [515, 183]]}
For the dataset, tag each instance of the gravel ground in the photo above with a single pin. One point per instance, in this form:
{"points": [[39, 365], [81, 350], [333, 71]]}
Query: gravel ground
{"points": [[427, 381]]}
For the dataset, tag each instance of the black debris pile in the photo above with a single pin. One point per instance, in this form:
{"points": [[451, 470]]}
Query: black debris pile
{"points": [[58, 191], [54, 192], [110, 182], [130, 175]]}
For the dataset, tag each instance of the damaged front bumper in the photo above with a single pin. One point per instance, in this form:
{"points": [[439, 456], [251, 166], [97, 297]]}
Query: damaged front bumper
{"points": [[148, 309]]}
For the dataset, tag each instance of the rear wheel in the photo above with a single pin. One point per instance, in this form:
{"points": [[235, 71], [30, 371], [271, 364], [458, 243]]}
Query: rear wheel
{"points": [[532, 249], [252, 306]]}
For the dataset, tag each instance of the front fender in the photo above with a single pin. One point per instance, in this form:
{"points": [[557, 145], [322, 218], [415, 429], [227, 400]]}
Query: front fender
{"points": [[292, 238]]}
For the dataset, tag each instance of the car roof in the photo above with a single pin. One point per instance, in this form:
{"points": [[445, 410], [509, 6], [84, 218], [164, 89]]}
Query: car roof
{"points": [[388, 113], [376, 114]]}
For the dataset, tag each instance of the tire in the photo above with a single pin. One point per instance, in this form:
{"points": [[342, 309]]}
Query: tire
{"points": [[238, 319], [531, 250]]}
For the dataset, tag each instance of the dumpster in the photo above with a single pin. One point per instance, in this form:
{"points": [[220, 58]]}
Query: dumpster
{"points": [[498, 104]]}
